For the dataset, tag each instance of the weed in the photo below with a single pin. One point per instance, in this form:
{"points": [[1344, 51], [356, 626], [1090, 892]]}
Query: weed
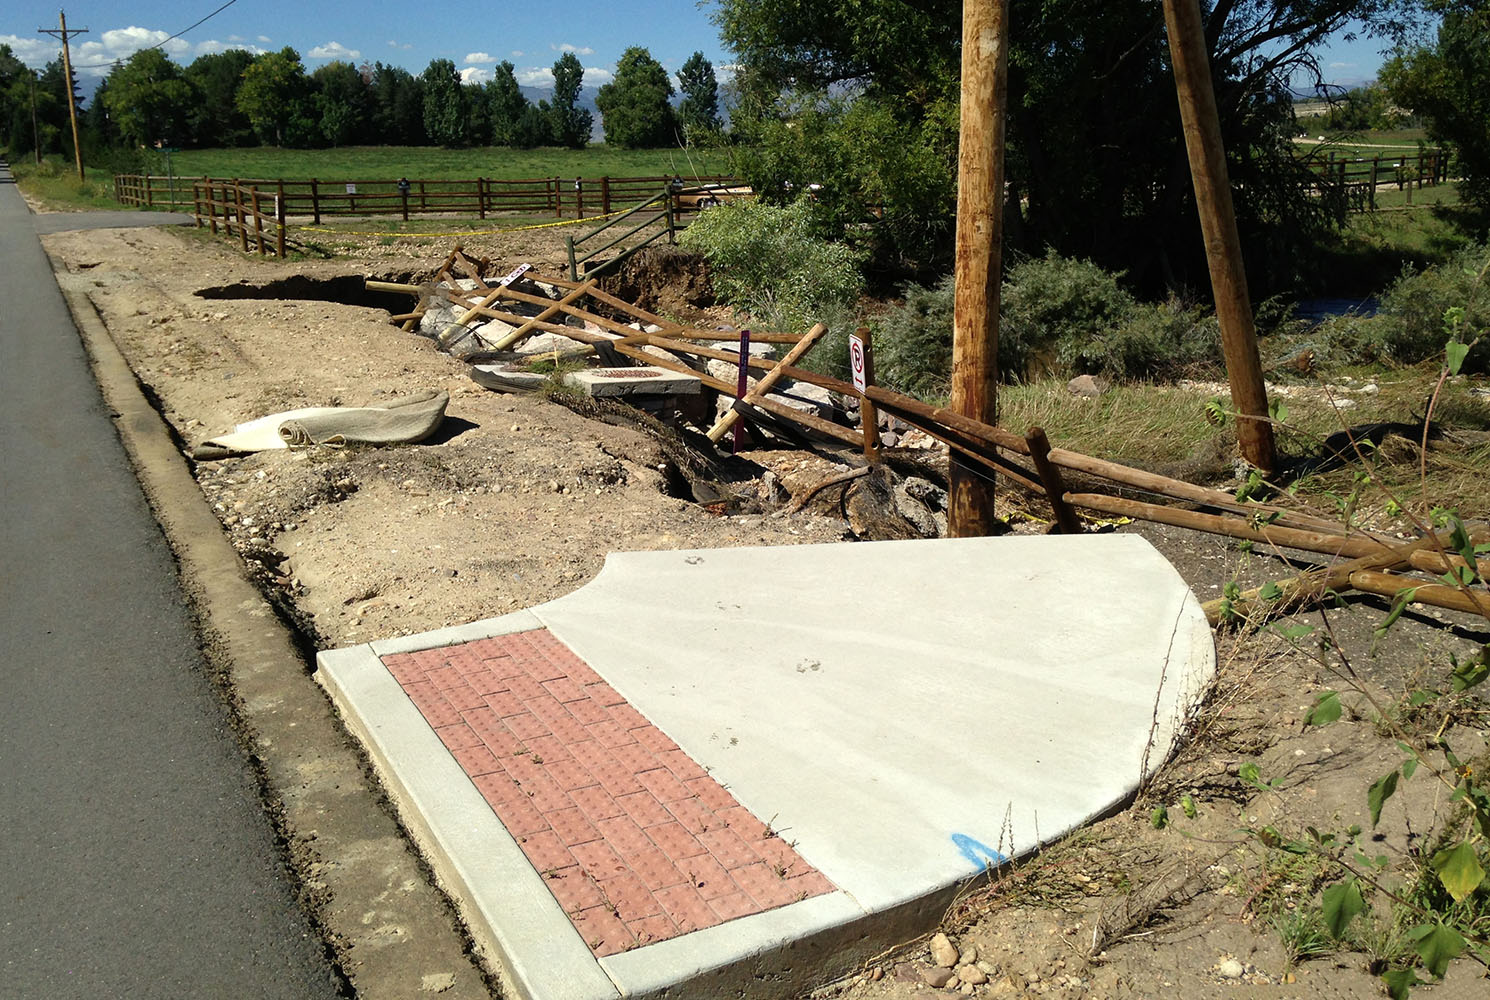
{"points": [[1303, 933]]}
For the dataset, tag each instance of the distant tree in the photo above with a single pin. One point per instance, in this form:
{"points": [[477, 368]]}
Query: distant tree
{"points": [[505, 105], [1363, 108], [1448, 84], [273, 96], [16, 82], [698, 111], [397, 106], [344, 103], [535, 127], [147, 99], [215, 118], [569, 124], [444, 104], [635, 107]]}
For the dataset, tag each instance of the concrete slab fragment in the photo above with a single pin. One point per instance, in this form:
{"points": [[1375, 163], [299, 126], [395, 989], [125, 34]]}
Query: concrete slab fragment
{"points": [[640, 381], [901, 714]]}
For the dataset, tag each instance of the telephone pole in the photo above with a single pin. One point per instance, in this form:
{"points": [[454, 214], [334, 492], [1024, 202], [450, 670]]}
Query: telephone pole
{"points": [[72, 104]]}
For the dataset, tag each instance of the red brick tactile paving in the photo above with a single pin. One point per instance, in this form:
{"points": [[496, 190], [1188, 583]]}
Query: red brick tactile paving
{"points": [[634, 839]]}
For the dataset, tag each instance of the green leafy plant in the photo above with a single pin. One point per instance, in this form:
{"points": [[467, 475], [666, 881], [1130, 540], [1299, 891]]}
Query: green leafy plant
{"points": [[774, 261]]}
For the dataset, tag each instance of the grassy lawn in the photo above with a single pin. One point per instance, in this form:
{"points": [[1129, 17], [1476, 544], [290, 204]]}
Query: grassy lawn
{"points": [[353, 163]]}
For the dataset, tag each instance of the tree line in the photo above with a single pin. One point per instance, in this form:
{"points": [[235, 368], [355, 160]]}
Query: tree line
{"points": [[236, 98]]}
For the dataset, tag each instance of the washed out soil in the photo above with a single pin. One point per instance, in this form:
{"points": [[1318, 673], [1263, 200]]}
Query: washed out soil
{"points": [[517, 500]]}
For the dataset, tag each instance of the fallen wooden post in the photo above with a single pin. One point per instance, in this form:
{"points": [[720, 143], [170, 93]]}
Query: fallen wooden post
{"points": [[523, 331], [1440, 595], [764, 384], [1216, 524], [1318, 582], [391, 286]]}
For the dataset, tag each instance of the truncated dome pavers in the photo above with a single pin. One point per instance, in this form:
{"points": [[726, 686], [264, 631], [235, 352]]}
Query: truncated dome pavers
{"points": [[752, 769]]}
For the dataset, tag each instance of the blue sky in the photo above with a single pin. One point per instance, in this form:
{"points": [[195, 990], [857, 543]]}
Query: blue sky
{"points": [[410, 34], [474, 36]]}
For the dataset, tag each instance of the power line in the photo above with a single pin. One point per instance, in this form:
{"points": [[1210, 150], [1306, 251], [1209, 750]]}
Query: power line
{"points": [[163, 41]]}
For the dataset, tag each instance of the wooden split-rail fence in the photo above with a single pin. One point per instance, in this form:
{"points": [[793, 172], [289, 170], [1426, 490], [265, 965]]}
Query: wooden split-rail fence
{"points": [[479, 197], [1360, 177]]}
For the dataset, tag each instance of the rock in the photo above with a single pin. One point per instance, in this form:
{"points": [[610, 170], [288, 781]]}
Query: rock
{"points": [[1087, 386], [905, 972], [889, 439], [934, 497], [970, 973], [937, 977], [942, 952], [437, 982], [1230, 969], [924, 521], [806, 397], [547, 343]]}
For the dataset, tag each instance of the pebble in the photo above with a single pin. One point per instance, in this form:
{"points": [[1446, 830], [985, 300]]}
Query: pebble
{"points": [[968, 955], [970, 973], [937, 977], [1230, 969], [942, 952]]}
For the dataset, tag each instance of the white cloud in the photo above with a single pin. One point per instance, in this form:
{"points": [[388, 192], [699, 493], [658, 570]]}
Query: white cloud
{"points": [[579, 50], [1342, 65], [516, 53], [479, 57], [213, 47], [34, 52], [400, 45], [97, 57], [595, 76], [474, 74], [535, 77], [726, 71], [333, 50], [264, 39]]}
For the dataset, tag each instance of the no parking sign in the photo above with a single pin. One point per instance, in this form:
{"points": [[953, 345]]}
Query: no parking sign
{"points": [[856, 361]]}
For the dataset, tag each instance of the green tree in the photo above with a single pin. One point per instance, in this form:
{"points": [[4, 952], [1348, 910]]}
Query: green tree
{"points": [[505, 105], [1096, 161], [273, 96], [444, 104], [534, 128], [698, 111], [569, 124], [397, 106], [634, 107], [1448, 84], [147, 99], [343, 102], [214, 118]]}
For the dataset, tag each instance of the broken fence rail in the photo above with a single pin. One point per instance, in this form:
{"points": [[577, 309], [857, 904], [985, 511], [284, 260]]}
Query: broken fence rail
{"points": [[1027, 461]]}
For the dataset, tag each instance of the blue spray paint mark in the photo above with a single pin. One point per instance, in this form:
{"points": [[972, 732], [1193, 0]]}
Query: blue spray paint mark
{"points": [[980, 854]]}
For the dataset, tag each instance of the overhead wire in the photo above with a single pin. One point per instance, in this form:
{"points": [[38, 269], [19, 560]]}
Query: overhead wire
{"points": [[163, 41]]}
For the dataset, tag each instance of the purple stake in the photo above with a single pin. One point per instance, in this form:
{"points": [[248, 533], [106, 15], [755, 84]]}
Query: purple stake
{"points": [[740, 386]]}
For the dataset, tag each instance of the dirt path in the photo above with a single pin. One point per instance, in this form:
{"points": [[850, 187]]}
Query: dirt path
{"points": [[518, 500]]}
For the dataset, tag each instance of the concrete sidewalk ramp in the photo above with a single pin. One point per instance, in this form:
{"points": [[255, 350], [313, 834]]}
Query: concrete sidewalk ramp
{"points": [[748, 770]]}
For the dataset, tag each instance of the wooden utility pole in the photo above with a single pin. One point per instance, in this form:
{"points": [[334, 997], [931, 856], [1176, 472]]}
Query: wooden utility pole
{"points": [[72, 104], [980, 223], [1223, 248]]}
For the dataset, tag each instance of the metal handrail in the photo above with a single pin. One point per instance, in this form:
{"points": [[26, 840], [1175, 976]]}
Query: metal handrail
{"points": [[666, 214]]}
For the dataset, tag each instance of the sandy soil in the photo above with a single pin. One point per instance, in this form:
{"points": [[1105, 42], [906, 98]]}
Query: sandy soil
{"points": [[518, 500]]}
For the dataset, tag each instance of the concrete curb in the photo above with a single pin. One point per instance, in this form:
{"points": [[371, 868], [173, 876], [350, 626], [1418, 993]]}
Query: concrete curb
{"points": [[392, 932]]}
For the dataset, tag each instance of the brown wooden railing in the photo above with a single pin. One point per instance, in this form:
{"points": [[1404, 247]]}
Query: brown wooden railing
{"points": [[244, 209], [571, 197]]}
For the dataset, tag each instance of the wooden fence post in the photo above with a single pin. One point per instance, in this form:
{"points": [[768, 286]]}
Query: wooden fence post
{"points": [[558, 199], [481, 196], [242, 222], [211, 207], [315, 200], [1050, 478], [1197, 98], [149, 193], [258, 219], [579, 198], [279, 219], [980, 217], [605, 195], [1375, 166]]}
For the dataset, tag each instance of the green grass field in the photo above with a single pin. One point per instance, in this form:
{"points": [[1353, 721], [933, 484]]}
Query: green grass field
{"points": [[367, 163]]}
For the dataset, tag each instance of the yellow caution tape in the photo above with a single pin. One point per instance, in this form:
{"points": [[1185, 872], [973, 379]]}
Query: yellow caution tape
{"points": [[465, 232]]}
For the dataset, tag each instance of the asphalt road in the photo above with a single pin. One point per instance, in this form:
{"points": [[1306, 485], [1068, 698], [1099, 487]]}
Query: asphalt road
{"points": [[135, 856]]}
